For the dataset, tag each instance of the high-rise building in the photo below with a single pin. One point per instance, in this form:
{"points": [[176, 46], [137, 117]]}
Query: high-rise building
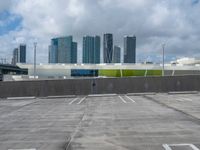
{"points": [[129, 49], [74, 53], [91, 49], [22, 53], [19, 54], [53, 51], [97, 48], [117, 54], [15, 56], [108, 47], [63, 50], [53, 55]]}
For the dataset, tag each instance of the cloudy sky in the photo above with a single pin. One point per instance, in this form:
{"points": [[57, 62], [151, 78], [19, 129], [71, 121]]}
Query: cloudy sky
{"points": [[174, 22]]}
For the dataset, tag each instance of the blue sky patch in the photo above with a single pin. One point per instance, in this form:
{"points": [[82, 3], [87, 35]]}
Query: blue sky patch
{"points": [[195, 2], [9, 22]]}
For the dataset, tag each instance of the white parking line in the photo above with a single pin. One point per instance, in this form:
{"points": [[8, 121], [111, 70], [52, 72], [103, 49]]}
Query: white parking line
{"points": [[101, 95], [130, 98], [122, 99], [168, 146], [73, 101], [20, 98], [81, 100], [62, 96], [184, 99], [23, 149], [187, 99]]}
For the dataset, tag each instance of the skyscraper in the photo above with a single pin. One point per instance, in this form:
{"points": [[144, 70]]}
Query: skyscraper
{"points": [[53, 55], [117, 54], [108, 47], [53, 51], [19, 54], [129, 49], [22, 53], [63, 50], [15, 56], [91, 49], [97, 47], [74, 53]]}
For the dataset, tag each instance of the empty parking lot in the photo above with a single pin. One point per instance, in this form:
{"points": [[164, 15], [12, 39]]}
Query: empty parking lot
{"points": [[159, 121]]}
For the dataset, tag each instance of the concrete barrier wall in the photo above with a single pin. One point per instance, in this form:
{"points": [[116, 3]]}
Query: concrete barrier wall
{"points": [[99, 86]]}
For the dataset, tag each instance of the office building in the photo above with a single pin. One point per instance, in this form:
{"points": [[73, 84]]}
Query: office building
{"points": [[22, 53], [63, 50], [97, 47], [15, 56], [108, 47], [129, 49], [74, 53], [117, 54], [19, 54], [53, 54], [91, 49]]}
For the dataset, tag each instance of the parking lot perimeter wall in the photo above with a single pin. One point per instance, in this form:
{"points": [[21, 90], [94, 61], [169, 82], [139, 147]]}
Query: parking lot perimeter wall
{"points": [[43, 88]]}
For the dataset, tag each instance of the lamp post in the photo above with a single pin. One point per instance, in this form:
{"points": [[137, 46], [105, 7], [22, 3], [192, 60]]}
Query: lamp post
{"points": [[35, 46], [163, 59]]}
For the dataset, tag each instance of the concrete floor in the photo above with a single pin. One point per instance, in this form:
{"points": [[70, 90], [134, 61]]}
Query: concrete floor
{"points": [[116, 122]]}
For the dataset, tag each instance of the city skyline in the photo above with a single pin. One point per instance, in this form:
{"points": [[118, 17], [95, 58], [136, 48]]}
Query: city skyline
{"points": [[172, 22], [64, 50]]}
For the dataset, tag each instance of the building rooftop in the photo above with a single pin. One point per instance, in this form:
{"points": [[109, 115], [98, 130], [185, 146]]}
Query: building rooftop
{"points": [[113, 66], [151, 121]]}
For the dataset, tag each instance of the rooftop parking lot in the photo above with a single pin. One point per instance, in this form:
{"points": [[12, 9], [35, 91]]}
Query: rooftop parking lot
{"points": [[161, 121]]}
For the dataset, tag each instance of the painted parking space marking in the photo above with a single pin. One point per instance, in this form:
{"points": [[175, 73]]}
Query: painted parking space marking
{"points": [[102, 95], [20, 98], [184, 99], [73, 101], [23, 149], [129, 98], [122, 99], [169, 146], [81, 100]]}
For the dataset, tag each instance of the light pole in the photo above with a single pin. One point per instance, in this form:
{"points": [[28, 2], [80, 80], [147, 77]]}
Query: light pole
{"points": [[35, 46], [163, 59]]}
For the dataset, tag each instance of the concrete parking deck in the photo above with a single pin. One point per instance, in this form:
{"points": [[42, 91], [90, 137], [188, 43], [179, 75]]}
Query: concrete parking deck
{"points": [[111, 122]]}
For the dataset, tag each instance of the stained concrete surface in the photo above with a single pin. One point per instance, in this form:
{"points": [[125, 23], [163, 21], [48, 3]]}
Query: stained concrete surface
{"points": [[116, 122]]}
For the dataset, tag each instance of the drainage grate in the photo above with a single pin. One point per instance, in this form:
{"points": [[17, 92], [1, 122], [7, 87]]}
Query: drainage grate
{"points": [[180, 147]]}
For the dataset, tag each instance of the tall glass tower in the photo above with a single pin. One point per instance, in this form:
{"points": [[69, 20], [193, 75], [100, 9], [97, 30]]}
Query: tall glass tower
{"points": [[74, 53], [117, 54], [22, 53], [91, 49], [108, 47], [97, 47], [129, 49], [53, 51], [63, 50]]}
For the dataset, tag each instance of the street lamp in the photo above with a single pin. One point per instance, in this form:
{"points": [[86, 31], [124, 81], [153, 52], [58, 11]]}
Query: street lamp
{"points": [[163, 59], [35, 46]]}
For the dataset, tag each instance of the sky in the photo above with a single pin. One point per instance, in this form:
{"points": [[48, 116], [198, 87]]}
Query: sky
{"points": [[154, 22]]}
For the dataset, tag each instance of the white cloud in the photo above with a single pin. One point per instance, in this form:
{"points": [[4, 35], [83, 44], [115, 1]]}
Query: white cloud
{"points": [[153, 22], [5, 5]]}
